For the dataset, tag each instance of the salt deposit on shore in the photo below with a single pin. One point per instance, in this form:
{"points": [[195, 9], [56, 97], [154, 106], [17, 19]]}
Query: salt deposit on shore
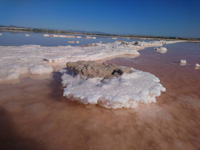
{"points": [[17, 60]]}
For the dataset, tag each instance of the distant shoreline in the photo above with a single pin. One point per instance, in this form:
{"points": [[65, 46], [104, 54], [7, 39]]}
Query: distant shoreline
{"points": [[51, 31]]}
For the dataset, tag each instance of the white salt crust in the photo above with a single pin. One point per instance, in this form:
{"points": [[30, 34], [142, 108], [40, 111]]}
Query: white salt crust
{"points": [[40, 69], [119, 92], [17, 60]]}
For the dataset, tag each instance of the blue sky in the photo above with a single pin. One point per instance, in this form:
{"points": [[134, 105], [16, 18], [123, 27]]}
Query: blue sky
{"points": [[142, 17]]}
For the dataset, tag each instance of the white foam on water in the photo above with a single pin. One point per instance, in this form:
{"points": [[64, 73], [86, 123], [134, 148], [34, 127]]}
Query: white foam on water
{"points": [[125, 91]]}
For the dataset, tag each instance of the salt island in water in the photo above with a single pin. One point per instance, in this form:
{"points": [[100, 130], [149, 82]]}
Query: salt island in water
{"points": [[109, 86]]}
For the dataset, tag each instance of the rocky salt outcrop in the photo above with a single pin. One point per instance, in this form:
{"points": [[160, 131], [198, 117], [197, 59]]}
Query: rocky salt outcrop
{"points": [[108, 85], [91, 69]]}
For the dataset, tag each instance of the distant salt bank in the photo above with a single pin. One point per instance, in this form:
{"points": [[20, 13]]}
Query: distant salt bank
{"points": [[90, 37], [46, 35], [62, 36], [18, 60], [109, 86]]}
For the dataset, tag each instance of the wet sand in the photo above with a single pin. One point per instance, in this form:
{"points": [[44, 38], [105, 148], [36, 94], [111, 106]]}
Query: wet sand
{"points": [[35, 115]]}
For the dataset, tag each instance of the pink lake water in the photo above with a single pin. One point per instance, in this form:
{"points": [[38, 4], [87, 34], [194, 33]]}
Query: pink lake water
{"points": [[35, 116]]}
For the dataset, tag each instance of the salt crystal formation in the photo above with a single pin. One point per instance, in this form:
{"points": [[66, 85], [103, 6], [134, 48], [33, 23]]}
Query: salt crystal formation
{"points": [[161, 50], [123, 90]]}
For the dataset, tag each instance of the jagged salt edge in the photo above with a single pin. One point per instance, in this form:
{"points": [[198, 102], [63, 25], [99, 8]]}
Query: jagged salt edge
{"points": [[126, 91]]}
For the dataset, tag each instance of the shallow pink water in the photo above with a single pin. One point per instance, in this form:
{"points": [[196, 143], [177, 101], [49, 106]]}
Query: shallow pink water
{"points": [[35, 115]]}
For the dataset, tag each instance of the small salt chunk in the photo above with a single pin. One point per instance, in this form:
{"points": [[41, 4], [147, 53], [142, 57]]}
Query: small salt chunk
{"points": [[183, 62], [161, 49], [197, 66]]}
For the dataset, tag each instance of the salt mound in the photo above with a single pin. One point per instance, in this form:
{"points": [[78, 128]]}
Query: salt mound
{"points": [[126, 90]]}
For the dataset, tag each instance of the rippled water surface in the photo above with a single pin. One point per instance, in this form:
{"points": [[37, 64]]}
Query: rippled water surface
{"points": [[35, 115]]}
